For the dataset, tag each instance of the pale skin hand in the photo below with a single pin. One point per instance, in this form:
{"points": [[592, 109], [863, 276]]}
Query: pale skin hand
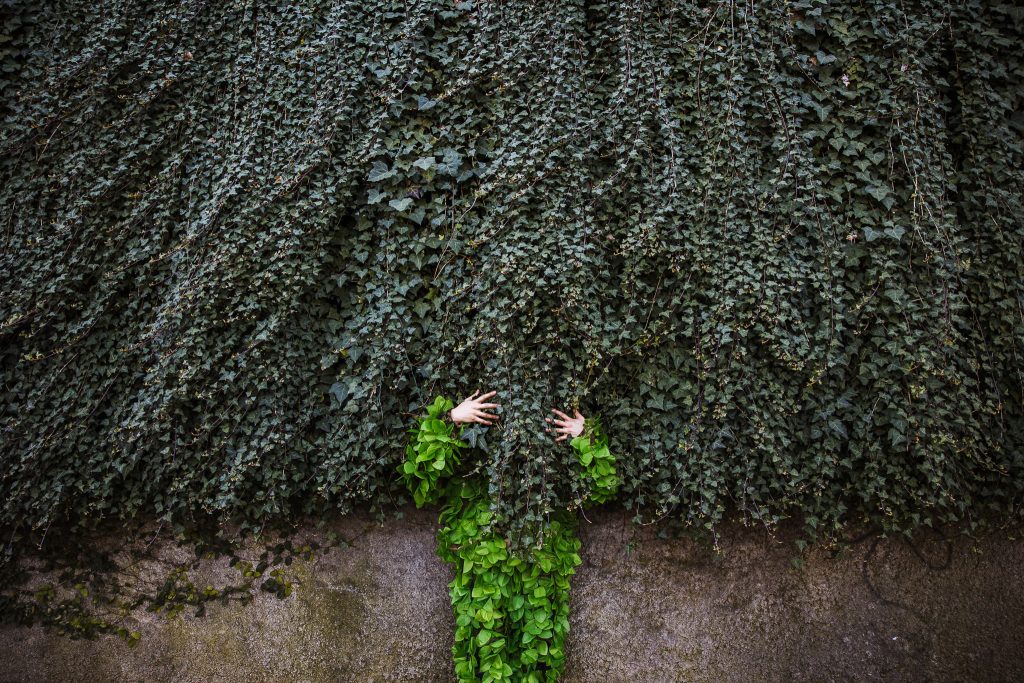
{"points": [[565, 425], [473, 409]]}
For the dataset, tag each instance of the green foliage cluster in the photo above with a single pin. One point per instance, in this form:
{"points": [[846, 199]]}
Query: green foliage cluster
{"points": [[511, 612], [511, 608], [597, 461], [778, 248], [432, 454]]}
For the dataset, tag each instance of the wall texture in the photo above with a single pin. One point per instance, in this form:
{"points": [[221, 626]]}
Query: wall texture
{"points": [[644, 609]]}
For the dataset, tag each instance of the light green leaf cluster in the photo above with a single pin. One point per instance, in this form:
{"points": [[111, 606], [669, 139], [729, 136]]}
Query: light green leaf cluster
{"points": [[511, 608], [511, 612], [432, 454], [598, 463]]}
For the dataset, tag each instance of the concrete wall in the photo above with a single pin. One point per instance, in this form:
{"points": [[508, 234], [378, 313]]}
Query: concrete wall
{"points": [[644, 609]]}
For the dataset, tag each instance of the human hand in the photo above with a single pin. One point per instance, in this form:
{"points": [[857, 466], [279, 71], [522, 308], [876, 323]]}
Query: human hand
{"points": [[472, 410], [566, 426]]}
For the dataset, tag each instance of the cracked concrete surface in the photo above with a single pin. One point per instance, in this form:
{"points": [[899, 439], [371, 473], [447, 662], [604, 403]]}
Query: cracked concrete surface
{"points": [[644, 609]]}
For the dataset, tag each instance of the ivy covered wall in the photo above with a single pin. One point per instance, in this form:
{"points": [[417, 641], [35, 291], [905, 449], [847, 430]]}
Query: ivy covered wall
{"points": [[777, 247]]}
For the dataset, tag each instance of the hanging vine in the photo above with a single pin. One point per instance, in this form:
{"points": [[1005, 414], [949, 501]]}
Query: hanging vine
{"points": [[778, 248]]}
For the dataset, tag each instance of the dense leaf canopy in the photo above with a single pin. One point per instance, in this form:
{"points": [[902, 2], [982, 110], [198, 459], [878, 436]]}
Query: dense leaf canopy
{"points": [[777, 247]]}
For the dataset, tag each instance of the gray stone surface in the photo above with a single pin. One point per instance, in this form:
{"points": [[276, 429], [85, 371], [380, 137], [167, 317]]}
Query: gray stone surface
{"points": [[644, 609]]}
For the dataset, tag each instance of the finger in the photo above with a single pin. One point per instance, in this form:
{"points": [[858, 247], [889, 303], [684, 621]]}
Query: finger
{"points": [[562, 438], [488, 395], [484, 415], [560, 414], [579, 416], [488, 405], [563, 423]]}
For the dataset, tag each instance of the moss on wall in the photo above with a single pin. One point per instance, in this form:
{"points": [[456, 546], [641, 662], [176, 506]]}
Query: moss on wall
{"points": [[643, 609]]}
